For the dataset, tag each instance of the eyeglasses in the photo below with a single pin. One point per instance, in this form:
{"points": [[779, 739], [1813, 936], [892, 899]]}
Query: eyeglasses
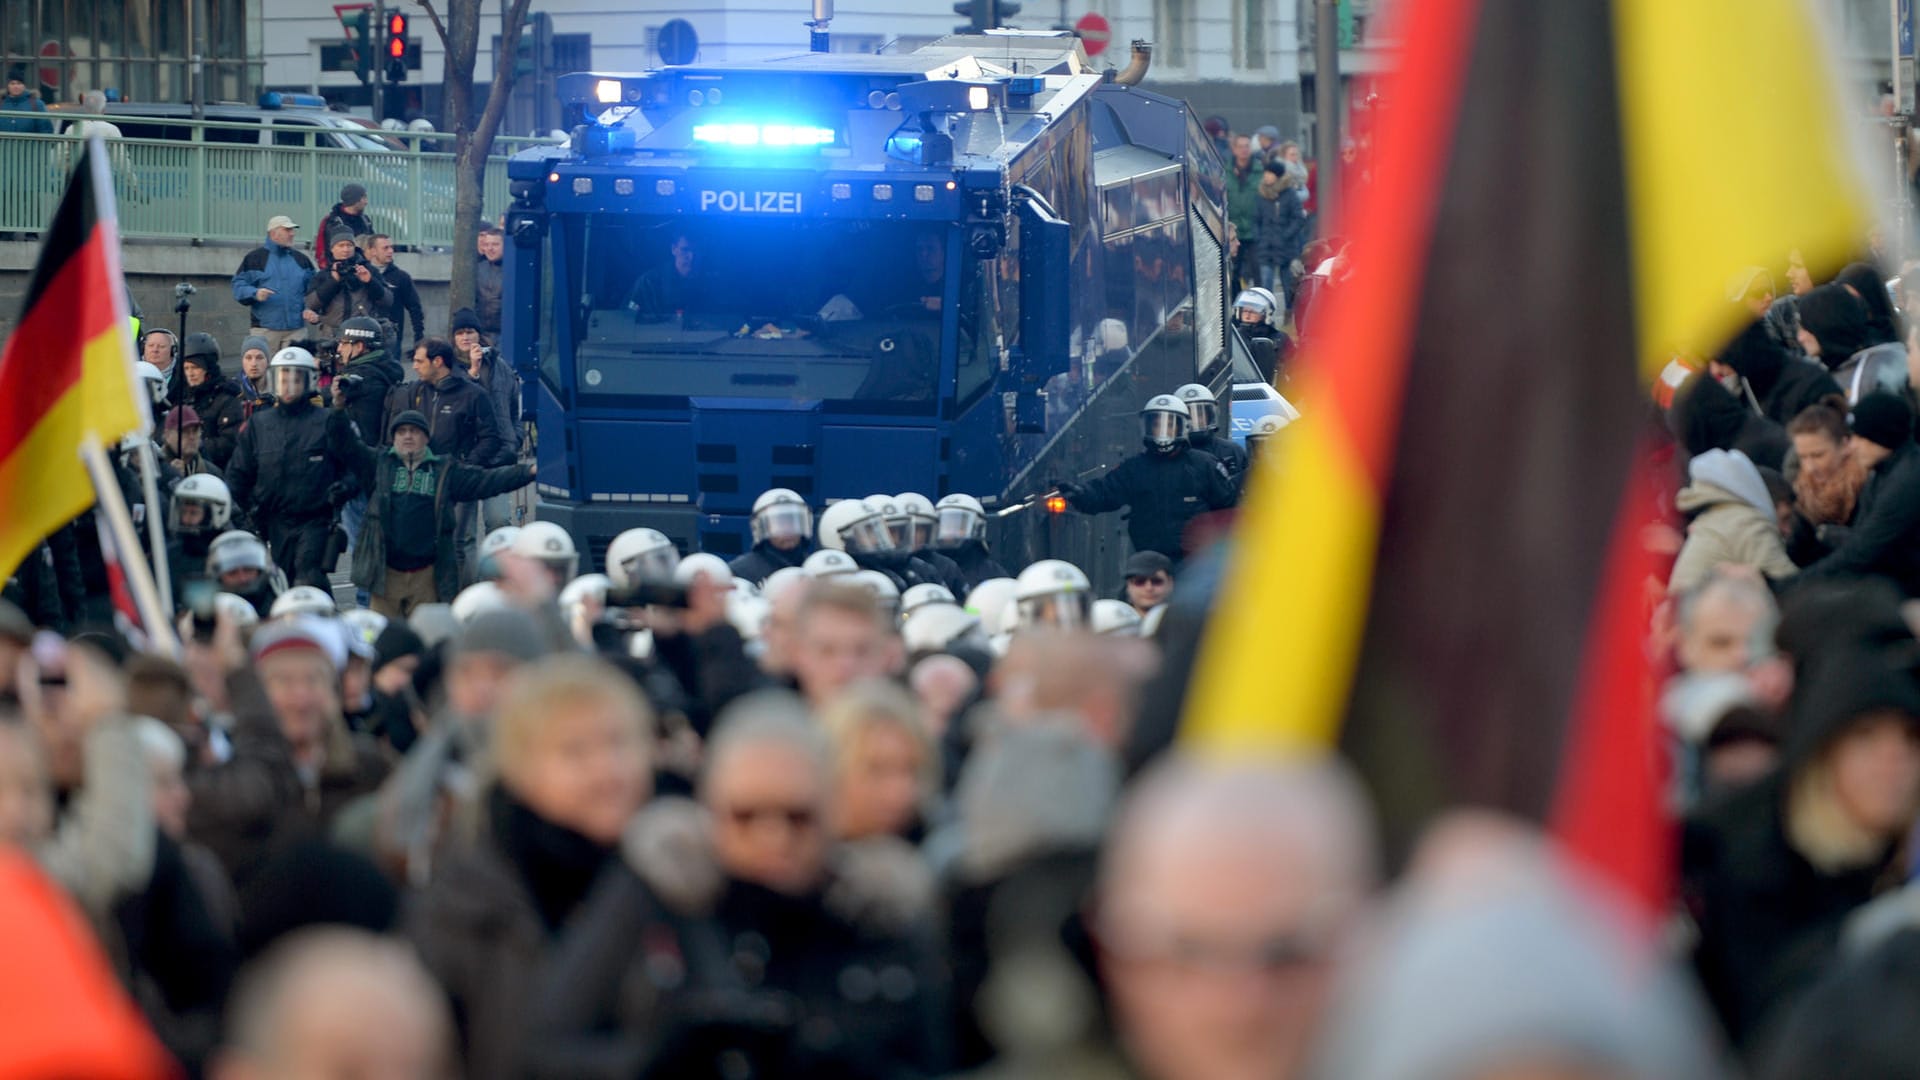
{"points": [[1155, 579], [796, 818]]}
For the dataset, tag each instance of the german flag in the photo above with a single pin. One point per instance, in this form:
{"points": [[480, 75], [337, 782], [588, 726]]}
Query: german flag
{"points": [[1441, 573], [67, 372]]}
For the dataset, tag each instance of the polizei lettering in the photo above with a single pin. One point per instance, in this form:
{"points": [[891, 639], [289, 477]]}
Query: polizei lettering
{"points": [[751, 202]]}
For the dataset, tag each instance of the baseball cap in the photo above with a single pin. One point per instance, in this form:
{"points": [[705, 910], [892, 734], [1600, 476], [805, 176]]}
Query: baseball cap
{"points": [[281, 221], [1147, 564]]}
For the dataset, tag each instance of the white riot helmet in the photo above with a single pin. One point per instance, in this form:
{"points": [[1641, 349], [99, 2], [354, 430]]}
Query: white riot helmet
{"points": [[919, 519], [235, 551], [1263, 429], [854, 525], [495, 542], [1203, 411], [703, 563], [210, 496], [302, 600], [781, 514], [936, 627], [1257, 300], [927, 592], [748, 614], [787, 577], [479, 597], [236, 609], [881, 586], [579, 591], [641, 555], [1163, 422], [828, 563], [364, 626], [989, 599], [296, 359], [958, 519], [550, 545], [155, 379], [893, 518], [1053, 594], [1116, 618]]}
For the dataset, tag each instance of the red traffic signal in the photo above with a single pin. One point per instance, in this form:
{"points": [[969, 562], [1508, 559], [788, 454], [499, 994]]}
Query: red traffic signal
{"points": [[397, 36]]}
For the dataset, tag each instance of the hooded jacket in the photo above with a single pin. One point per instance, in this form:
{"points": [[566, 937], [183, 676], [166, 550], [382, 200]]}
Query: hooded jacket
{"points": [[1782, 383], [284, 270], [217, 400], [1769, 917], [1854, 345], [1882, 322], [365, 398], [1706, 416], [1732, 521]]}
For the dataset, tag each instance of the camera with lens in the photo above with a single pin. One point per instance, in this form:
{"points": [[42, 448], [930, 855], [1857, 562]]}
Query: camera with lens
{"points": [[347, 267]]}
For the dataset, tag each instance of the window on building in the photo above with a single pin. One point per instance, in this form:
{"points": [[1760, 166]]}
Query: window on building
{"points": [[1250, 34], [1172, 21]]}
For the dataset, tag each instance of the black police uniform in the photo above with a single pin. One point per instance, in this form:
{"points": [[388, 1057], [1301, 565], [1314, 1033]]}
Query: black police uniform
{"points": [[976, 564], [285, 468], [1230, 453], [1163, 492], [761, 560]]}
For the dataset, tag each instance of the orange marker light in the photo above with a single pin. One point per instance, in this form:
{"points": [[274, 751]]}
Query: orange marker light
{"points": [[1056, 504]]}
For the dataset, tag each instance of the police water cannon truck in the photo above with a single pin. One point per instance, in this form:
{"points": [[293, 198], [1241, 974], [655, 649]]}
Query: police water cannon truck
{"points": [[959, 269]]}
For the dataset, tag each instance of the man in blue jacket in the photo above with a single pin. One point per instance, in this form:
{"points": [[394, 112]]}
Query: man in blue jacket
{"points": [[21, 111], [272, 280]]}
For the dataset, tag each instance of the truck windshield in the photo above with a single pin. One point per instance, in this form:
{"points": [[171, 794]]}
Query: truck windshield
{"points": [[844, 311]]}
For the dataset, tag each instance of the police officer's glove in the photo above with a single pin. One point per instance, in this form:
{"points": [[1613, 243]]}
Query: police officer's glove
{"points": [[1070, 491], [339, 494]]}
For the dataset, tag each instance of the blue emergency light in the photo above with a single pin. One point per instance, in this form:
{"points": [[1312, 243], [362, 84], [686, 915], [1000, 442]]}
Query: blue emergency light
{"points": [[275, 99], [777, 136]]}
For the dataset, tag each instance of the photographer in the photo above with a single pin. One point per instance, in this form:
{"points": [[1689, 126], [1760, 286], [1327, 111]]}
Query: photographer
{"points": [[348, 287], [366, 376]]}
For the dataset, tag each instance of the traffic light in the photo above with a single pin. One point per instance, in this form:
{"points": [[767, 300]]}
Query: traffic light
{"points": [[361, 25], [396, 47], [984, 15]]}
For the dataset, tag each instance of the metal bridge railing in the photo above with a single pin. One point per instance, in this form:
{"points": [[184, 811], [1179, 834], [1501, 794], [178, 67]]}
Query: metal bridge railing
{"points": [[223, 191]]}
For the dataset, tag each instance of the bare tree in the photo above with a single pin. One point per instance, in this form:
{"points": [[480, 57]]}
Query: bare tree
{"points": [[472, 139]]}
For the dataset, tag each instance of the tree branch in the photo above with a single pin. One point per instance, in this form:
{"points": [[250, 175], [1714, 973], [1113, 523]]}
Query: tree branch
{"points": [[439, 27], [503, 79]]}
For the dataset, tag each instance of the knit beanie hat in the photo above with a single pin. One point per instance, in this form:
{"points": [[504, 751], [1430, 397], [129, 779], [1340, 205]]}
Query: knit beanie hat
{"points": [[255, 341], [1883, 419]]}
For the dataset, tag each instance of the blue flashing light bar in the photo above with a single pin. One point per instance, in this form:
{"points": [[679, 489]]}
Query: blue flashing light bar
{"points": [[771, 135], [274, 99]]}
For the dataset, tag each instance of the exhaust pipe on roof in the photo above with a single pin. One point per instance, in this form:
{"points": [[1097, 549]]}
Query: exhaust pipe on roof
{"points": [[1136, 68], [822, 15]]}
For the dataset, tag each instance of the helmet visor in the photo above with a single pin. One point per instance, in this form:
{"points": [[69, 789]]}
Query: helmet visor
{"points": [[1164, 428], [1055, 611], [289, 383], [193, 516], [782, 521], [955, 526], [1201, 414], [922, 531], [900, 532], [868, 534], [655, 565]]}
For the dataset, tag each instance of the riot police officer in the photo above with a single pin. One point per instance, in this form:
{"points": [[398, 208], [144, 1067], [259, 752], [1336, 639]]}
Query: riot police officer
{"points": [[293, 468], [782, 531], [1203, 431], [1164, 487], [960, 533]]}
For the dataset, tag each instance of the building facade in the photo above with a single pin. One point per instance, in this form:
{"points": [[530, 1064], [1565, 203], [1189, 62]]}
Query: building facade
{"points": [[1235, 58], [140, 50]]}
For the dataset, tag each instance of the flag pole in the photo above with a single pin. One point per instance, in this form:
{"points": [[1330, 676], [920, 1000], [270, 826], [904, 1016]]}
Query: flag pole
{"points": [[159, 625], [149, 469]]}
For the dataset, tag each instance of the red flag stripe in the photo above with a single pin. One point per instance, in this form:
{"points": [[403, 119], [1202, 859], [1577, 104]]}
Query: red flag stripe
{"points": [[50, 331]]}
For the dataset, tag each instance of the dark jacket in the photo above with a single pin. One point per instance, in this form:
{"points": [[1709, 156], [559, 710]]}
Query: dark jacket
{"points": [[1281, 229], [365, 398], [460, 419], [337, 299], [1162, 493], [405, 305], [489, 288], [761, 560], [337, 218], [502, 385], [1230, 453], [1706, 416], [240, 804], [287, 458], [217, 401], [287, 272], [448, 482], [1885, 538], [485, 925], [843, 983], [24, 115], [976, 563], [1782, 383]]}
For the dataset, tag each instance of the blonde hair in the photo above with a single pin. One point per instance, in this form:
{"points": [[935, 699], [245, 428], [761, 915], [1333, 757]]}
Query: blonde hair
{"points": [[869, 703], [556, 685]]}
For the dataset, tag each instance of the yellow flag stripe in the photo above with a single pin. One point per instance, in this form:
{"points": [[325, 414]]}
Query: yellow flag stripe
{"points": [[43, 484], [1737, 152], [1296, 622]]}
